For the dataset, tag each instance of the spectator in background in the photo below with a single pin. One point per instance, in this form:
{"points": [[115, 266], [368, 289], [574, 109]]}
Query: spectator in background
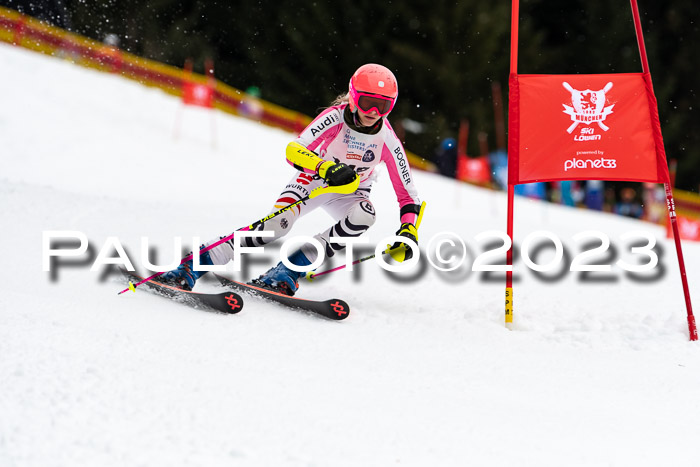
{"points": [[594, 194], [498, 160], [250, 105], [609, 199], [654, 196], [628, 204], [566, 188], [446, 157]]}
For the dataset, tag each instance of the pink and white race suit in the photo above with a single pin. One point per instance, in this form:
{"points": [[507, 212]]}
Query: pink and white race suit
{"points": [[333, 136]]}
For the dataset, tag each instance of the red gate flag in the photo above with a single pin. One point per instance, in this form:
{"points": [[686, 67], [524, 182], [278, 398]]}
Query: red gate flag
{"points": [[583, 127], [198, 94], [195, 93], [586, 127], [474, 170]]}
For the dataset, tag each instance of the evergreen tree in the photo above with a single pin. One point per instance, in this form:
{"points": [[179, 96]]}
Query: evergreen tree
{"points": [[445, 54]]}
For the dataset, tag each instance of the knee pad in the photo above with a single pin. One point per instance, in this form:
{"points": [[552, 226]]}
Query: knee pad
{"points": [[361, 216]]}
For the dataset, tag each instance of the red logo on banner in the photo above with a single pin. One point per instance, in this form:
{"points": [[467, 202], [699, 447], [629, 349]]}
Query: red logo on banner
{"points": [[588, 107], [585, 127]]}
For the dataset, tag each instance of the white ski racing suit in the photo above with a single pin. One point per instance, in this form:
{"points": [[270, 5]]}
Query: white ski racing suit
{"points": [[333, 136]]}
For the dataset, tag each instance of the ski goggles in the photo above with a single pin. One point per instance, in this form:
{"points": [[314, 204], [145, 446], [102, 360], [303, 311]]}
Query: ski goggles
{"points": [[367, 102]]}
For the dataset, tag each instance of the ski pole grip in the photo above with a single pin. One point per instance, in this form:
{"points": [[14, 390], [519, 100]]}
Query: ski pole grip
{"points": [[340, 189]]}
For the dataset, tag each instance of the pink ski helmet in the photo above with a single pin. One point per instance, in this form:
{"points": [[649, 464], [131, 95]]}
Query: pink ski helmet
{"points": [[373, 87]]}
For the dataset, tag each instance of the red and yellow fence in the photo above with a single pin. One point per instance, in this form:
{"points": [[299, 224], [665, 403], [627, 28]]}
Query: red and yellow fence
{"points": [[27, 32], [30, 33], [687, 204]]}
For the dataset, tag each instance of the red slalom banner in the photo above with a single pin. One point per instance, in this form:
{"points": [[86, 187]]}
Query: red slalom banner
{"points": [[688, 228], [201, 95], [198, 94], [195, 93], [474, 170], [586, 127]]}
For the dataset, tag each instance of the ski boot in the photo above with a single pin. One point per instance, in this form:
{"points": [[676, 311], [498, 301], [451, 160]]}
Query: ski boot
{"points": [[184, 277], [281, 279]]}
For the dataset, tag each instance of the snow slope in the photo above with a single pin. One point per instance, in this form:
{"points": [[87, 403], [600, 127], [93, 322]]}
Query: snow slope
{"points": [[423, 372]]}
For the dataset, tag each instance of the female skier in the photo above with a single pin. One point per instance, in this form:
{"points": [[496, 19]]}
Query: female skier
{"points": [[345, 141]]}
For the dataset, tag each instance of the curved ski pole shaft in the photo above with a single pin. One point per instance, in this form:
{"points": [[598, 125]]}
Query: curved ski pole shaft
{"points": [[342, 189], [132, 287]]}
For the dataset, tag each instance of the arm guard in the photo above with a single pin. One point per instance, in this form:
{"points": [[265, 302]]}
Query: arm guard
{"points": [[305, 160]]}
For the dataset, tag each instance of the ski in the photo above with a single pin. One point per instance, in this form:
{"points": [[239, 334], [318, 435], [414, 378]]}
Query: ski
{"points": [[228, 302], [334, 309]]}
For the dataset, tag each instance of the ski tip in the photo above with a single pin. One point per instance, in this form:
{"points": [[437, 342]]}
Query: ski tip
{"points": [[340, 309], [234, 303]]}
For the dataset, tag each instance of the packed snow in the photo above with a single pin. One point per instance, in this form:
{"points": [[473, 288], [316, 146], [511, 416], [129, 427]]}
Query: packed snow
{"points": [[597, 369]]}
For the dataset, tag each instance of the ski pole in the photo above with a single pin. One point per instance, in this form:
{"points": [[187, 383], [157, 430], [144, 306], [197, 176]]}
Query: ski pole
{"points": [[342, 189], [311, 275]]}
